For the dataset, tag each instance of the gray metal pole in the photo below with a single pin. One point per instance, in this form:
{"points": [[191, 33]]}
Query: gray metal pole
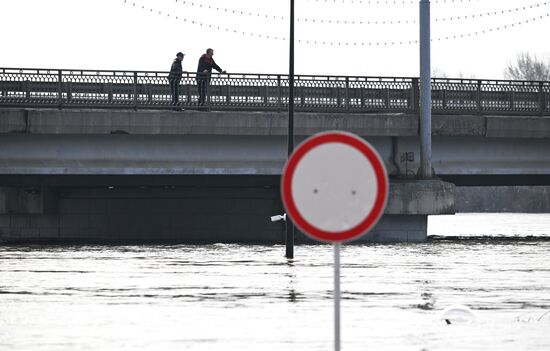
{"points": [[337, 296], [289, 224], [425, 170]]}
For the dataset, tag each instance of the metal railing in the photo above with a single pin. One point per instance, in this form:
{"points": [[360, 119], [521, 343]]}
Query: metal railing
{"points": [[150, 90]]}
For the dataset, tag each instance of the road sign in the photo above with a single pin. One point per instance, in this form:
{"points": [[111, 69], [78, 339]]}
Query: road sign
{"points": [[334, 186]]}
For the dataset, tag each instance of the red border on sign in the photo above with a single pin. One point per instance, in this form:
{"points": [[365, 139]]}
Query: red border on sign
{"points": [[381, 178]]}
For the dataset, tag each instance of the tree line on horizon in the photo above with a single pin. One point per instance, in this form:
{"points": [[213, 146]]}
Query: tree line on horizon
{"points": [[525, 67]]}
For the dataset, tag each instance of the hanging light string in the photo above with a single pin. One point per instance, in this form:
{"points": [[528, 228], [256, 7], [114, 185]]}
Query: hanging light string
{"points": [[442, 19], [442, 38], [494, 29], [492, 13], [231, 11], [202, 24], [336, 43], [354, 22], [389, 2], [227, 10]]}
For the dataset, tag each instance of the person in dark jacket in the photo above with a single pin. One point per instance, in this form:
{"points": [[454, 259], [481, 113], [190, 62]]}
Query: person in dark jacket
{"points": [[204, 71], [174, 77]]}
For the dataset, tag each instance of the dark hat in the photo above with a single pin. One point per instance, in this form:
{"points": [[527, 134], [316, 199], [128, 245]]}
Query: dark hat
{"points": [[180, 54]]}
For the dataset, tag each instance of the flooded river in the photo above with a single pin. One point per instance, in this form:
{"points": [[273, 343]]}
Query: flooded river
{"points": [[240, 297]]}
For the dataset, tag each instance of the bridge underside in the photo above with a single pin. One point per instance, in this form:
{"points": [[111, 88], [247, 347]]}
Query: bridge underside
{"points": [[163, 209], [203, 209]]}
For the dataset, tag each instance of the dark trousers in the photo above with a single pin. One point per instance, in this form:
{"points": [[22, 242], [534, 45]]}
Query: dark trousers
{"points": [[174, 88], [203, 84]]}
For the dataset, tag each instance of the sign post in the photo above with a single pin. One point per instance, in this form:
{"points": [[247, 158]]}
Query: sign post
{"points": [[336, 296], [334, 188]]}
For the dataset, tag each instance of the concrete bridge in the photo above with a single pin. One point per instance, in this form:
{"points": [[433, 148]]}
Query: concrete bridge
{"points": [[99, 156]]}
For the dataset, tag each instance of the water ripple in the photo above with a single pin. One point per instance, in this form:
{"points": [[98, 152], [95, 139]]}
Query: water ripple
{"points": [[250, 297]]}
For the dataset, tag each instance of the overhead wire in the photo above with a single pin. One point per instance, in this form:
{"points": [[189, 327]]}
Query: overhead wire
{"points": [[353, 43], [201, 23], [491, 13], [389, 2], [408, 21], [227, 10], [230, 10]]}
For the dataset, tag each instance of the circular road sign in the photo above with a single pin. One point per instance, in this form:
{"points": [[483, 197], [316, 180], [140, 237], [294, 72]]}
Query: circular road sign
{"points": [[334, 186]]}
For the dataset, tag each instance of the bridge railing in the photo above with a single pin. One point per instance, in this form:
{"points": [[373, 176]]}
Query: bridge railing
{"points": [[243, 91]]}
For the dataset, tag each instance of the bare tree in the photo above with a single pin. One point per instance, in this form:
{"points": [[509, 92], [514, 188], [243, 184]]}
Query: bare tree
{"points": [[528, 67]]}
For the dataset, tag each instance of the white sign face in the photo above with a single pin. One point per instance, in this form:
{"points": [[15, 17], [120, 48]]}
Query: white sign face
{"points": [[334, 187]]}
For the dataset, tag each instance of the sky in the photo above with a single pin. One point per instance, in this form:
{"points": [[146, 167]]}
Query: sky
{"points": [[251, 36]]}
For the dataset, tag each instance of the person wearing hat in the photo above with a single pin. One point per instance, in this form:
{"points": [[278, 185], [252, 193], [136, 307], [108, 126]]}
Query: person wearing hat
{"points": [[174, 77]]}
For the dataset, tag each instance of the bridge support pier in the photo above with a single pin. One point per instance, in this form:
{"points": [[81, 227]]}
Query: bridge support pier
{"points": [[406, 216], [192, 214], [389, 229]]}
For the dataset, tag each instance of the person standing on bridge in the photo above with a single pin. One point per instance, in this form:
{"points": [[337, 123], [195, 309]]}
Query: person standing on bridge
{"points": [[174, 77], [204, 71]]}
